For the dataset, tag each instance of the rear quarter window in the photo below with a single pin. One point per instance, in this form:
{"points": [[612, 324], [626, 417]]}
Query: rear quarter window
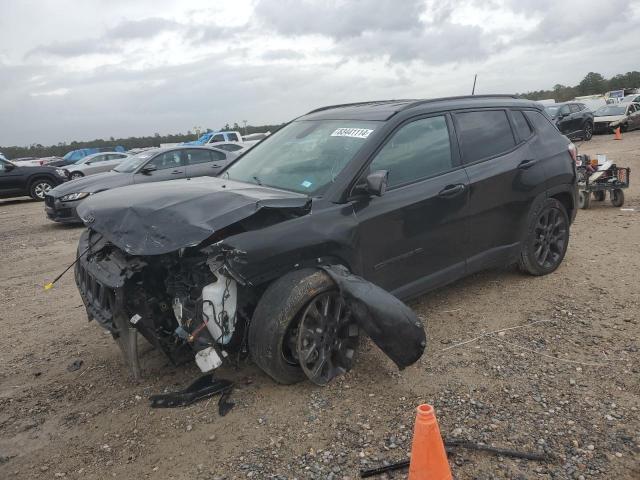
{"points": [[522, 126], [484, 134], [541, 124]]}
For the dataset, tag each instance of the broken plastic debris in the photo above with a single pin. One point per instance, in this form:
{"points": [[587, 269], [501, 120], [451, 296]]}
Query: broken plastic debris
{"points": [[48, 286]]}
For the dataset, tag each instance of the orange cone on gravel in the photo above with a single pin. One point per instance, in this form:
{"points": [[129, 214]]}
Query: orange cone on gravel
{"points": [[618, 135], [428, 456]]}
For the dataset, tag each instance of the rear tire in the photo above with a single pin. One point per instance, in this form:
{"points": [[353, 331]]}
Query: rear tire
{"points": [[584, 200], [617, 197], [39, 188], [275, 318], [545, 244]]}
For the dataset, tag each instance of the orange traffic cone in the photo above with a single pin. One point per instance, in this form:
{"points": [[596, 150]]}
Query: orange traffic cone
{"points": [[618, 134], [428, 456]]}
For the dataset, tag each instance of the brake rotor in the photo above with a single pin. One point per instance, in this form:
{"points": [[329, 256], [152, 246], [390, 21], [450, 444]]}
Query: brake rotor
{"points": [[327, 338]]}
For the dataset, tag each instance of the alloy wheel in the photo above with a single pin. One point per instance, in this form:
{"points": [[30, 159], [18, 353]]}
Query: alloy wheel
{"points": [[551, 236], [75, 176], [327, 338], [588, 131], [41, 189]]}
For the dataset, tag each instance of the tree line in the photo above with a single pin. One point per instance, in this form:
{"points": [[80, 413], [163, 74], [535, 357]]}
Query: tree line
{"points": [[592, 84], [37, 150]]}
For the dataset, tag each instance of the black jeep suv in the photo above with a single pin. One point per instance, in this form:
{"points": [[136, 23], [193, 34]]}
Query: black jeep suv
{"points": [[316, 233], [19, 181]]}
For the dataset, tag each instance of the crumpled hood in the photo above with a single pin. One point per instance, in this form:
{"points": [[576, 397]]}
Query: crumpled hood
{"points": [[94, 183], [157, 218]]}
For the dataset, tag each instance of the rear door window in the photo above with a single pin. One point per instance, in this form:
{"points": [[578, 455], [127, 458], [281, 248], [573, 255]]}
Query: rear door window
{"points": [[522, 126], [195, 156], [484, 134], [417, 150]]}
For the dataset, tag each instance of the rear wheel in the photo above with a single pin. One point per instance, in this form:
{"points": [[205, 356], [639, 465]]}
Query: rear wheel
{"points": [[39, 188], [617, 197], [547, 238], [301, 328], [76, 175], [584, 199]]}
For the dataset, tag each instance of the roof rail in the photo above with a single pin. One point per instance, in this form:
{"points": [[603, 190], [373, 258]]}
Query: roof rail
{"points": [[357, 104], [411, 102], [460, 97]]}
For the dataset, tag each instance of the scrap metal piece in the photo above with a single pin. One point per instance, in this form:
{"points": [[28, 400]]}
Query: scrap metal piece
{"points": [[391, 324], [204, 387]]}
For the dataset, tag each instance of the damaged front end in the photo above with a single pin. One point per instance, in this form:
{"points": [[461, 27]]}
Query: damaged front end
{"points": [[192, 292]]}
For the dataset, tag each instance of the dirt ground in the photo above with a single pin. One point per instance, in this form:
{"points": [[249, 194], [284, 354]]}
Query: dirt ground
{"points": [[567, 384]]}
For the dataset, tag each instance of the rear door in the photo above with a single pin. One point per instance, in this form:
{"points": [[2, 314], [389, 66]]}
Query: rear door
{"points": [[505, 177], [96, 165], [203, 162], [167, 165], [410, 238]]}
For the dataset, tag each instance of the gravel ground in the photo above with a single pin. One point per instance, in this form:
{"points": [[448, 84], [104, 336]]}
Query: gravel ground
{"points": [[566, 383]]}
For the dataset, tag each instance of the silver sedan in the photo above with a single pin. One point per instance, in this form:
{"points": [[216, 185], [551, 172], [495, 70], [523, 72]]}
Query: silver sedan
{"points": [[96, 163]]}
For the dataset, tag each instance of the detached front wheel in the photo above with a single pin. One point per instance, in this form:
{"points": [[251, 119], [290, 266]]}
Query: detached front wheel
{"points": [[301, 328], [547, 238], [617, 197]]}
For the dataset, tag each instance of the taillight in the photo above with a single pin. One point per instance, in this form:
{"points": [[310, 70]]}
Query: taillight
{"points": [[573, 151]]}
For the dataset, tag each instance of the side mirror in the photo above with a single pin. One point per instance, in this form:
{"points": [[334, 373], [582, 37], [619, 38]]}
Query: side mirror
{"points": [[148, 169], [377, 182], [87, 163], [8, 167]]}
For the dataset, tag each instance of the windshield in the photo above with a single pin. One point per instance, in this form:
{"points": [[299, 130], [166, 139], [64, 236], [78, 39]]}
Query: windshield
{"points": [[131, 164], [609, 110], [305, 156]]}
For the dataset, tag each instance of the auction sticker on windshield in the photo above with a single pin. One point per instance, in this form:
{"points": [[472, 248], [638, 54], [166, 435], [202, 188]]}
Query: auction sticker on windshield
{"points": [[352, 132]]}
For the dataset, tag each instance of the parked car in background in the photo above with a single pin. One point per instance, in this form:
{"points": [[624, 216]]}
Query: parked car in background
{"points": [[75, 155], [216, 137], [154, 165], [96, 163], [633, 98], [25, 180], [287, 252], [623, 115], [573, 119]]}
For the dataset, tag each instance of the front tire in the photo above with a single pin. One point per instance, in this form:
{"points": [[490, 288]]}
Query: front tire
{"points": [[39, 188], [76, 175], [588, 132], [547, 239], [584, 200], [275, 336]]}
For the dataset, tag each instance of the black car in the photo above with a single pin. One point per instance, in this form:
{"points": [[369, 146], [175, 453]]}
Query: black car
{"points": [[573, 119], [36, 182], [316, 233], [153, 165]]}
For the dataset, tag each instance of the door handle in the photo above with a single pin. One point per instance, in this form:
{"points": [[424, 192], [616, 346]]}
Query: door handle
{"points": [[176, 172], [527, 164], [215, 166], [451, 190]]}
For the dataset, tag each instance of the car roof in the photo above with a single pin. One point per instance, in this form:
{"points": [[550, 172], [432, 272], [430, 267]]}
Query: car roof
{"points": [[105, 153], [385, 109], [155, 151]]}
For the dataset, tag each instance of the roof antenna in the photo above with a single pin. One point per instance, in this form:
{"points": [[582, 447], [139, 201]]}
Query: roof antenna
{"points": [[473, 90]]}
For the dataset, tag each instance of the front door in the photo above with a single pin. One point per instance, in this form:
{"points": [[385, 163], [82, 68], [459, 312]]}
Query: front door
{"points": [[11, 180], [166, 166], [411, 238]]}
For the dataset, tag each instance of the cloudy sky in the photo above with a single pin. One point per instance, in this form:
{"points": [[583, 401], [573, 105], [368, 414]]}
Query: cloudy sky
{"points": [[84, 69]]}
